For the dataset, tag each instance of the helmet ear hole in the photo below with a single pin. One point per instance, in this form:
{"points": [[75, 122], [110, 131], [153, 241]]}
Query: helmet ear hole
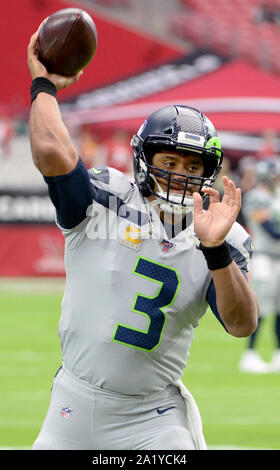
{"points": [[168, 131], [148, 187], [149, 152], [209, 169]]}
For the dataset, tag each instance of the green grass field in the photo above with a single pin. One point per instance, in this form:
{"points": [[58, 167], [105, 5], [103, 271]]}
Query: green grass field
{"points": [[239, 411]]}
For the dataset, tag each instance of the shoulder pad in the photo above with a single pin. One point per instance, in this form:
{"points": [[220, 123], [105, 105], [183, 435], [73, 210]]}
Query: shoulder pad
{"points": [[111, 180], [240, 245]]}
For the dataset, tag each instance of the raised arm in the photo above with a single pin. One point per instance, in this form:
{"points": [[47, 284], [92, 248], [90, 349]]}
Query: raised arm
{"points": [[236, 301], [52, 150]]}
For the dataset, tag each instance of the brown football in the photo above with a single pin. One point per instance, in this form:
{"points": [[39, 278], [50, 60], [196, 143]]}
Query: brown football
{"points": [[67, 41]]}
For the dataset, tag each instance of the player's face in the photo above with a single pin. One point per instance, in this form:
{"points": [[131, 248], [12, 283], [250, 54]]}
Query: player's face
{"points": [[184, 163]]}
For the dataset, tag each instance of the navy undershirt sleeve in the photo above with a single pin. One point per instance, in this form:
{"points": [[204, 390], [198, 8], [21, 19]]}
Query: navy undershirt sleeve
{"points": [[71, 195], [211, 299]]}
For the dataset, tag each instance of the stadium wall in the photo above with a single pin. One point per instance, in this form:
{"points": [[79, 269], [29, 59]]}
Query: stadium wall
{"points": [[30, 242], [121, 51], [31, 250]]}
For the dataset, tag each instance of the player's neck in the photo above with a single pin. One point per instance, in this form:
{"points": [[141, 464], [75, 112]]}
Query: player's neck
{"points": [[169, 218]]}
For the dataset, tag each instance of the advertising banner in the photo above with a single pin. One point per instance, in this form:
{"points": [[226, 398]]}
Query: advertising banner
{"points": [[30, 242]]}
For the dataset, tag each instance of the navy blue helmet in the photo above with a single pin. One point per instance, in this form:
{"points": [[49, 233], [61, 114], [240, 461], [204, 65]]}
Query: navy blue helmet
{"points": [[175, 128]]}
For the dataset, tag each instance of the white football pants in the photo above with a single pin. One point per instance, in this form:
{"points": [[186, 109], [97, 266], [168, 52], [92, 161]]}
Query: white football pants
{"points": [[83, 417]]}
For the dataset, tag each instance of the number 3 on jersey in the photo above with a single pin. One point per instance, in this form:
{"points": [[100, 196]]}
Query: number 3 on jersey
{"points": [[152, 307]]}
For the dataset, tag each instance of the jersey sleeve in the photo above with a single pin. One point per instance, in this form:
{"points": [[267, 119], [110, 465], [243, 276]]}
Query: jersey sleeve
{"points": [[240, 246]]}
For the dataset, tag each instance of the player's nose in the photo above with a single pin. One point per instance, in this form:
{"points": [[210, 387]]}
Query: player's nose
{"points": [[180, 168]]}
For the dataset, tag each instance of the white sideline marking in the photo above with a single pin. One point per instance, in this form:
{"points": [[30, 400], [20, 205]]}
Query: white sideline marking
{"points": [[32, 285]]}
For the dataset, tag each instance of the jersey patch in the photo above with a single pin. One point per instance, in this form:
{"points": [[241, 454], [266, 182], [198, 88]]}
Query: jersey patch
{"points": [[166, 245], [131, 238]]}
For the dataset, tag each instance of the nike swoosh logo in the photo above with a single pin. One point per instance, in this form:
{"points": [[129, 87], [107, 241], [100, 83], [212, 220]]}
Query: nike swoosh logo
{"points": [[96, 172], [160, 412]]}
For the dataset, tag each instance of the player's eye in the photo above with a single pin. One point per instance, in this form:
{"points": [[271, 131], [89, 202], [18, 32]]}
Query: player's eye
{"points": [[193, 168], [169, 164]]}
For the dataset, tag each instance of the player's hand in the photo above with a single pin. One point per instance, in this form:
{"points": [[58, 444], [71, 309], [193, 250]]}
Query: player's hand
{"points": [[213, 225], [37, 69]]}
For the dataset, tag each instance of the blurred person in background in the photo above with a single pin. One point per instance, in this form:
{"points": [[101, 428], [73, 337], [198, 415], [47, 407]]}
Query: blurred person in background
{"points": [[119, 151], [93, 151], [267, 11], [225, 171], [6, 135], [245, 180], [269, 145], [261, 208]]}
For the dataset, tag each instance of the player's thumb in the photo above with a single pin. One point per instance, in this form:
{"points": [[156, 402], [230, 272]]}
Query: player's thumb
{"points": [[75, 78], [61, 81]]}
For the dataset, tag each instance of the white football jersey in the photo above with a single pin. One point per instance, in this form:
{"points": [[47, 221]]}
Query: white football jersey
{"points": [[133, 293]]}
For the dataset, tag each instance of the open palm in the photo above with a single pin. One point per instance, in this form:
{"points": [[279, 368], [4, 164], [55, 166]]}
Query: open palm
{"points": [[213, 225]]}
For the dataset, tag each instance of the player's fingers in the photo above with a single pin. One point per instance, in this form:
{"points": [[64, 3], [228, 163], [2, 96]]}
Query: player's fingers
{"points": [[34, 38], [43, 22], [229, 183], [197, 203], [73, 79], [77, 76], [63, 82], [31, 51], [230, 191], [33, 41], [232, 196], [213, 194], [35, 66], [236, 194], [238, 198]]}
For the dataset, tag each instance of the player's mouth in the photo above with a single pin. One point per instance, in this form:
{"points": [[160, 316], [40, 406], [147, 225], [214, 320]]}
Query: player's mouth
{"points": [[180, 191], [177, 188], [178, 185]]}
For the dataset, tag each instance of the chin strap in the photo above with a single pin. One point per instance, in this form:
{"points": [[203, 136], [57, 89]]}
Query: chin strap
{"points": [[172, 206]]}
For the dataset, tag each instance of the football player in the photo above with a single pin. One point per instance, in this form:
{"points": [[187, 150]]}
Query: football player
{"points": [[262, 212], [143, 262]]}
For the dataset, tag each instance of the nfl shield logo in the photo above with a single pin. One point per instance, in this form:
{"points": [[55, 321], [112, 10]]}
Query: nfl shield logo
{"points": [[166, 245], [66, 413]]}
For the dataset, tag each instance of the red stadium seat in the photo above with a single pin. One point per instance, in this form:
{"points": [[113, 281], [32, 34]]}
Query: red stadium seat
{"points": [[231, 27]]}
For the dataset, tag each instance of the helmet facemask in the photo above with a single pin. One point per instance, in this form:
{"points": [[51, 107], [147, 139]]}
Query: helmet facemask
{"points": [[146, 175]]}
